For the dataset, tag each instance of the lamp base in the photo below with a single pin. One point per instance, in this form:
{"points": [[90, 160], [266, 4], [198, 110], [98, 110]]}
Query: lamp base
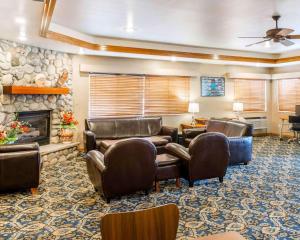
{"points": [[193, 123]]}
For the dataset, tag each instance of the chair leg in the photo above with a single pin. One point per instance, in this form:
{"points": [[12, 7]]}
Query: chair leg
{"points": [[221, 179], [191, 183], [107, 200], [146, 192], [157, 186], [245, 163], [178, 182], [33, 191]]}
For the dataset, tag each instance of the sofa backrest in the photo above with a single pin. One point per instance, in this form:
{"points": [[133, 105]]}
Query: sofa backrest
{"points": [[114, 128], [230, 128]]}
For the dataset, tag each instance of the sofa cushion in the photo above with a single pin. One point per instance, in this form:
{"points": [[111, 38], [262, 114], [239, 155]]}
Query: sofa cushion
{"points": [[126, 128], [216, 126], [169, 138], [234, 129], [102, 128], [157, 140], [106, 143], [150, 126]]}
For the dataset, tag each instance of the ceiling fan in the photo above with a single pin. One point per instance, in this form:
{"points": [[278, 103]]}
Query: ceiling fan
{"points": [[278, 35]]}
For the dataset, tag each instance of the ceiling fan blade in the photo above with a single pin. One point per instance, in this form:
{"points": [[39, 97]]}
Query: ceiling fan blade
{"points": [[249, 45], [286, 42], [252, 37], [293, 36], [284, 32]]}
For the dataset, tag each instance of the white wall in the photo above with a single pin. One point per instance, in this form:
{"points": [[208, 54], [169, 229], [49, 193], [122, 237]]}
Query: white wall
{"points": [[209, 106], [275, 109]]}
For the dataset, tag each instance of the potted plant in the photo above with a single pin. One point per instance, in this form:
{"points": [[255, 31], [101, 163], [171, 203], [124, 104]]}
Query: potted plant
{"points": [[67, 126], [9, 133]]}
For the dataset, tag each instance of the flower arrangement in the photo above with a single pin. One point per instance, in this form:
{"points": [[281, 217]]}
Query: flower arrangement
{"points": [[68, 120], [68, 124], [9, 133]]}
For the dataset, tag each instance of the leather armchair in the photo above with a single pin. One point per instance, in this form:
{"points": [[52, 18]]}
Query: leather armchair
{"points": [[126, 167], [20, 167], [207, 157], [239, 135], [169, 131]]}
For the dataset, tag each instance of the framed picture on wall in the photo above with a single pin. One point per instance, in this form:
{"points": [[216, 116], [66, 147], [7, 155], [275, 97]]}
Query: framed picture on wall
{"points": [[212, 86]]}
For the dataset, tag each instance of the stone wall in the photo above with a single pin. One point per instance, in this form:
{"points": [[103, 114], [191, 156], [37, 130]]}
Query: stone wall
{"points": [[24, 65]]}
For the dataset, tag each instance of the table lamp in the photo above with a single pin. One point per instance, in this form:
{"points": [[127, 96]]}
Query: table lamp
{"points": [[238, 107], [193, 108]]}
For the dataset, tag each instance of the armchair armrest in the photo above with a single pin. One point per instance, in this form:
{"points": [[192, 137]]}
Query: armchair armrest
{"points": [[178, 150], [169, 131], [19, 147], [240, 149], [90, 140], [97, 159], [192, 132]]}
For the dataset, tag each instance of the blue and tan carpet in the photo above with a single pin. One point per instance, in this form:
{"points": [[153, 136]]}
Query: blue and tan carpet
{"points": [[261, 201]]}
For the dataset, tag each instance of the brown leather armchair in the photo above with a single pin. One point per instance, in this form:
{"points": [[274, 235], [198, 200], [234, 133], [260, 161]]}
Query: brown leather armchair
{"points": [[20, 167], [126, 167], [207, 157], [238, 133]]}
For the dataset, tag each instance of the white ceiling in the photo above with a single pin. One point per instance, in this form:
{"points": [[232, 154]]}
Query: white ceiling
{"points": [[205, 23]]}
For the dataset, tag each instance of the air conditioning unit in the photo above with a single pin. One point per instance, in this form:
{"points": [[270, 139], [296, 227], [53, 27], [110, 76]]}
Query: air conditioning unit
{"points": [[259, 123]]}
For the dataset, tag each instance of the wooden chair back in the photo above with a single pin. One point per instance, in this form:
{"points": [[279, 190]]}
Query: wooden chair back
{"points": [[158, 223]]}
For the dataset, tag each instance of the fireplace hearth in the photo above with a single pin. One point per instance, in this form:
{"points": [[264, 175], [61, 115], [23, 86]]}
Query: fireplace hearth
{"points": [[40, 123]]}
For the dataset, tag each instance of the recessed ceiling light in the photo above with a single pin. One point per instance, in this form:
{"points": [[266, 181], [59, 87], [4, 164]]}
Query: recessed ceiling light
{"points": [[20, 20], [103, 48], [81, 51], [173, 59], [215, 56]]}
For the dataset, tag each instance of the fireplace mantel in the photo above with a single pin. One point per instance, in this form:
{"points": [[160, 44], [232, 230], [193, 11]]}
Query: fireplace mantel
{"points": [[35, 90]]}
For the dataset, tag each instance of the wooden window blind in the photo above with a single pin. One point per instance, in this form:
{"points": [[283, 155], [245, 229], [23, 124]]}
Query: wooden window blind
{"points": [[252, 93], [288, 94], [166, 95], [116, 96]]}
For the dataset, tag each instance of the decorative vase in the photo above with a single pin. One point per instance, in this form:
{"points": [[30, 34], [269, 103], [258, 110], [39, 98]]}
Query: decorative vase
{"points": [[66, 135]]}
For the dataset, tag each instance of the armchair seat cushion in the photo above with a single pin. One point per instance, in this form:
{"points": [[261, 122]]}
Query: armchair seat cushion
{"points": [[166, 160], [158, 140], [178, 150]]}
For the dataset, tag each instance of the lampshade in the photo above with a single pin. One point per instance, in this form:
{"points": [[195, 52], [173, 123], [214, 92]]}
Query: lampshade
{"points": [[238, 107], [193, 107]]}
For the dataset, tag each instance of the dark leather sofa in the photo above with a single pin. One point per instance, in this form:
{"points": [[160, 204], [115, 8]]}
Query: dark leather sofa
{"points": [[206, 157], [126, 167], [20, 167], [100, 134], [239, 135]]}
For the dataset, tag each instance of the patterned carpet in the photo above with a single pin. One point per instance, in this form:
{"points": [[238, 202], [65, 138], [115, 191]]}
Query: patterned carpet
{"points": [[261, 201]]}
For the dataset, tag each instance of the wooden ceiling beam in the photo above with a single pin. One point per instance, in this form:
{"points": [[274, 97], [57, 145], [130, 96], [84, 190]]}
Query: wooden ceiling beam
{"points": [[48, 10]]}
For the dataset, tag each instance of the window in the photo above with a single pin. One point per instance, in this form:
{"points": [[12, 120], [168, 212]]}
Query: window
{"points": [[252, 93], [129, 95], [166, 95], [115, 96], [288, 94]]}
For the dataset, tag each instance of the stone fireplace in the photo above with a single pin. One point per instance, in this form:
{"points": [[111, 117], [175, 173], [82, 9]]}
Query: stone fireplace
{"points": [[39, 129], [23, 65]]}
